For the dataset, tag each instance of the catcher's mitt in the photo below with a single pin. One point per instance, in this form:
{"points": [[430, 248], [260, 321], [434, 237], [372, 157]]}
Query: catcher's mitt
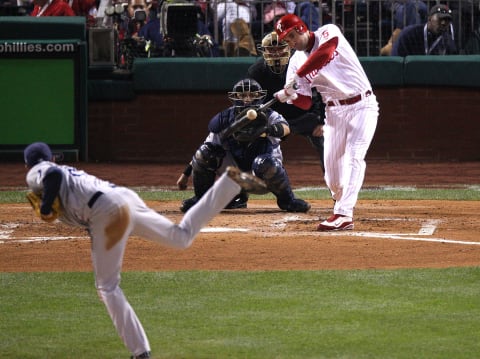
{"points": [[252, 130], [36, 202]]}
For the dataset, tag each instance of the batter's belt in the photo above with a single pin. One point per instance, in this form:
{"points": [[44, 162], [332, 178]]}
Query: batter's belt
{"points": [[349, 101]]}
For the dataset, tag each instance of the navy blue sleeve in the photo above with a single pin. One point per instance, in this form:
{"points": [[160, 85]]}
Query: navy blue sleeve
{"points": [[51, 188], [221, 121]]}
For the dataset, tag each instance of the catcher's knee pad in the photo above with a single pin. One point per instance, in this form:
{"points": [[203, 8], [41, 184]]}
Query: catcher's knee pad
{"points": [[271, 170], [267, 167], [208, 157]]}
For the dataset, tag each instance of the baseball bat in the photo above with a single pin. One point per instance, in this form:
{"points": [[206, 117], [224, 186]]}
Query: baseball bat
{"points": [[243, 120]]}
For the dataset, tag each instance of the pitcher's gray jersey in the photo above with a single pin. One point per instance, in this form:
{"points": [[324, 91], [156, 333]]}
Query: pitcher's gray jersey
{"points": [[113, 213], [76, 190]]}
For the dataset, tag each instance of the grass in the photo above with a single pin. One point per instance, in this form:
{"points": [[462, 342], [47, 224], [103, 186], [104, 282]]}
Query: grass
{"points": [[422, 313], [467, 193], [428, 313]]}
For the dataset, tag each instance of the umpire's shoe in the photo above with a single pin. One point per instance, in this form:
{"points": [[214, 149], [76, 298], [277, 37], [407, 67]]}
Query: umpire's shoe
{"points": [[295, 205], [247, 181], [145, 355], [188, 203]]}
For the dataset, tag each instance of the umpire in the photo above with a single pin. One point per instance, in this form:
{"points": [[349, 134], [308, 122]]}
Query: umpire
{"points": [[270, 72]]}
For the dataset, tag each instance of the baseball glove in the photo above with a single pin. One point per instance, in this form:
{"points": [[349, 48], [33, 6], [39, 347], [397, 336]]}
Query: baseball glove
{"points": [[36, 202]]}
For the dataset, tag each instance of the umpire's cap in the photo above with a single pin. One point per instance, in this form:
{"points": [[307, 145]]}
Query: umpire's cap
{"points": [[37, 152]]}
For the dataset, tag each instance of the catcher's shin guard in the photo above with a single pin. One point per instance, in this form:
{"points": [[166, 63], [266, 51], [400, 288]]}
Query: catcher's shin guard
{"points": [[248, 182], [202, 181], [271, 170]]}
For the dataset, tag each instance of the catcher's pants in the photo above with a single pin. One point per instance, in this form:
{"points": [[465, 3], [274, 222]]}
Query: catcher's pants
{"points": [[120, 213]]}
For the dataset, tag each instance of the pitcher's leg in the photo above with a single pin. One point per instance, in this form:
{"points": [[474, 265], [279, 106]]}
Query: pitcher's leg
{"points": [[108, 247], [211, 203], [151, 225]]}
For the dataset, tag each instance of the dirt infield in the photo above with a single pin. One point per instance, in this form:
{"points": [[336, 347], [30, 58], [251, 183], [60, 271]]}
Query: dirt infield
{"points": [[388, 234]]}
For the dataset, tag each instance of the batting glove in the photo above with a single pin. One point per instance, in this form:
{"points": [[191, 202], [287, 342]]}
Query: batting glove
{"points": [[286, 95]]}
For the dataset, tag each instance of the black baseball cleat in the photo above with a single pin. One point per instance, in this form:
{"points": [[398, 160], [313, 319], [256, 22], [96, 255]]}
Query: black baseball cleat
{"points": [[295, 205], [145, 355], [247, 181], [188, 203], [238, 202]]}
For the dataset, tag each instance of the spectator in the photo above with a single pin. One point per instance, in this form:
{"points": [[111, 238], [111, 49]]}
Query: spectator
{"points": [[202, 45], [434, 38], [308, 12], [51, 8], [274, 11], [87, 8], [472, 46], [465, 17], [151, 32], [138, 15], [405, 13], [235, 18], [132, 45]]}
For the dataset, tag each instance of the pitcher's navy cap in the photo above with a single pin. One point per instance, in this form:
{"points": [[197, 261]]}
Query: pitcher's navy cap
{"points": [[37, 152]]}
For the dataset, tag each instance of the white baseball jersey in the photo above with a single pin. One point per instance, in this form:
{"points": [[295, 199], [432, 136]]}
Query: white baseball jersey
{"points": [[343, 77], [110, 218], [350, 115]]}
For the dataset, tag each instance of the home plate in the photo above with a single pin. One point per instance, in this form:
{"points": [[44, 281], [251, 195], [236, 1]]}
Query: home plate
{"points": [[223, 229]]}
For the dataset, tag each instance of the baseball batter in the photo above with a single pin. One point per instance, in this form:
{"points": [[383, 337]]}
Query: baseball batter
{"points": [[111, 214], [325, 60]]}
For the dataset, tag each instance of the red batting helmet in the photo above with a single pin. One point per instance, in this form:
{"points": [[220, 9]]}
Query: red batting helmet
{"points": [[288, 23]]}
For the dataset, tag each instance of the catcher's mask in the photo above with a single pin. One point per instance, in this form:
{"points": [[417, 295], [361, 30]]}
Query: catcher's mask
{"points": [[276, 52], [247, 93], [36, 153]]}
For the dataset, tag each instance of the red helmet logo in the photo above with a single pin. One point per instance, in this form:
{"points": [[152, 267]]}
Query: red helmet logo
{"points": [[288, 23]]}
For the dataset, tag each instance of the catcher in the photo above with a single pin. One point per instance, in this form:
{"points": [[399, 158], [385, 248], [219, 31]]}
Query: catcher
{"points": [[270, 72], [254, 148], [111, 214]]}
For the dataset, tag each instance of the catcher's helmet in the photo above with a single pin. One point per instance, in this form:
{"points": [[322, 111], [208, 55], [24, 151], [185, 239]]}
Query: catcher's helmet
{"points": [[37, 152], [288, 23], [275, 52], [247, 93]]}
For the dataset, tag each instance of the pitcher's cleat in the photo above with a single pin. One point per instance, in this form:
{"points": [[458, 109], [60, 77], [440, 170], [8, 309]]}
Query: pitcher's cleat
{"points": [[247, 181], [336, 222]]}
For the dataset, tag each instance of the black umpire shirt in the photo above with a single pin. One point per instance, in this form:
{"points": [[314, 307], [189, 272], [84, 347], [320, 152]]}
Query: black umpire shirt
{"points": [[260, 72]]}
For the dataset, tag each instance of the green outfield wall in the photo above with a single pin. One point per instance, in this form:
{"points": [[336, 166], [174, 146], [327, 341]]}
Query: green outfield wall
{"points": [[159, 110]]}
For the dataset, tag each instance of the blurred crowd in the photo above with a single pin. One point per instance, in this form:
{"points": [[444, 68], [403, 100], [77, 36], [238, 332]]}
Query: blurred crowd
{"points": [[209, 28]]}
